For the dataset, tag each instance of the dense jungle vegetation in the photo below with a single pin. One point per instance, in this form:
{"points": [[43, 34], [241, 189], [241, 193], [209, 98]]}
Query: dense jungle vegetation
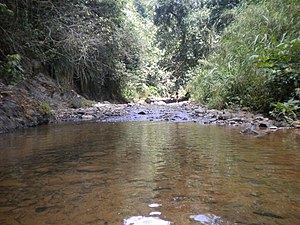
{"points": [[226, 53]]}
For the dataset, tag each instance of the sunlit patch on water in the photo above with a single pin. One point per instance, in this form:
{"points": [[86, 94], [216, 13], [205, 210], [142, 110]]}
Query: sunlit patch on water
{"points": [[154, 205], [207, 219], [155, 213], [144, 220]]}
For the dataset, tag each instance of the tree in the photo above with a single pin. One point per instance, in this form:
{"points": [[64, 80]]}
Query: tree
{"points": [[147, 78], [188, 31]]}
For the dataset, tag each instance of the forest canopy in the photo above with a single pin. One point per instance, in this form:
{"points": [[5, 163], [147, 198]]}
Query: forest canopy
{"points": [[226, 53]]}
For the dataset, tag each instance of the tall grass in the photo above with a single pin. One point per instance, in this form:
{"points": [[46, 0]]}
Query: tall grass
{"points": [[257, 60]]}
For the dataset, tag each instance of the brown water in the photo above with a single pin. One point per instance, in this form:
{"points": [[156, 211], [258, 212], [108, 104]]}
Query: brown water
{"points": [[148, 173]]}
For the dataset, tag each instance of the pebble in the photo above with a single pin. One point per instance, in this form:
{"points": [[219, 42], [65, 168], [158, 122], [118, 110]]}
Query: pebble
{"points": [[155, 213], [171, 112], [87, 117], [154, 205]]}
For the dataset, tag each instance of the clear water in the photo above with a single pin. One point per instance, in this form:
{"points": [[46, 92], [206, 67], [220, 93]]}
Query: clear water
{"points": [[131, 173]]}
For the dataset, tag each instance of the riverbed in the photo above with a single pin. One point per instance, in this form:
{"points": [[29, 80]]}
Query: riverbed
{"points": [[148, 172]]}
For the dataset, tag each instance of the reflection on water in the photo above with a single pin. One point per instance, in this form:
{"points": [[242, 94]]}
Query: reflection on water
{"points": [[207, 219], [143, 220], [148, 173]]}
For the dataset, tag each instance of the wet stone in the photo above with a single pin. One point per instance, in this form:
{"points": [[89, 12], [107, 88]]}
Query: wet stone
{"points": [[41, 209], [296, 124], [142, 113], [236, 119], [80, 112], [87, 117], [263, 124], [268, 214], [175, 112], [212, 120], [224, 116], [249, 131]]}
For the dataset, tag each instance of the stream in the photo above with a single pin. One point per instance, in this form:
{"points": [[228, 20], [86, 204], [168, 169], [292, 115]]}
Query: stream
{"points": [[148, 172]]}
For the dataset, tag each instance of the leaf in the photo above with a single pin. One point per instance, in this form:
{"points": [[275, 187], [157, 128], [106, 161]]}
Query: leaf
{"points": [[253, 57]]}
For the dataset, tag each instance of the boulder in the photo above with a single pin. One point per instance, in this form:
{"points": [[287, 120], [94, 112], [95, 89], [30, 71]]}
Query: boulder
{"points": [[250, 131], [296, 124]]}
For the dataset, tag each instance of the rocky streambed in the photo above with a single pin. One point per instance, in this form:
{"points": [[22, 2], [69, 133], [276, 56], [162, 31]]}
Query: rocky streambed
{"points": [[40, 101], [253, 124]]}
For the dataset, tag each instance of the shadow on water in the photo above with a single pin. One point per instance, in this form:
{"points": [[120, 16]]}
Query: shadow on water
{"points": [[134, 173]]}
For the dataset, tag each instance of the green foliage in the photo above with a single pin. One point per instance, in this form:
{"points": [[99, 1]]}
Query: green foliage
{"points": [[86, 44], [85, 53], [188, 31], [282, 68], [286, 111], [142, 91], [237, 53], [88, 103], [4, 11], [146, 74], [11, 71], [211, 82], [257, 59], [45, 109], [130, 92], [145, 8]]}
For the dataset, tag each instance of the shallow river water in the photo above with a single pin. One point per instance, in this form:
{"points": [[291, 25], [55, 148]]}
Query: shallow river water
{"points": [[152, 173]]}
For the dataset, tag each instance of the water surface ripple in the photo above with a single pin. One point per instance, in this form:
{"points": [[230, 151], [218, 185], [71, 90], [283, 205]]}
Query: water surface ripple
{"points": [[148, 173]]}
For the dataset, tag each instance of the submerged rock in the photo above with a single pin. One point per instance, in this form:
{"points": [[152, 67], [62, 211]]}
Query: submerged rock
{"points": [[250, 131], [268, 214], [224, 116], [41, 209]]}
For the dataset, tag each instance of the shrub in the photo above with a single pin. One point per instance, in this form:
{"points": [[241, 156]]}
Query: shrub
{"points": [[257, 59], [286, 111], [11, 71], [45, 109]]}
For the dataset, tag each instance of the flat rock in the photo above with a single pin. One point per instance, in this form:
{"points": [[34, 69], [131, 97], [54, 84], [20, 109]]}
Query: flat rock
{"points": [[87, 117], [250, 131], [296, 124]]}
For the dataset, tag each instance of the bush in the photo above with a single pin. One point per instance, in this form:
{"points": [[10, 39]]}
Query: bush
{"points": [[11, 71], [45, 109], [286, 111], [257, 59]]}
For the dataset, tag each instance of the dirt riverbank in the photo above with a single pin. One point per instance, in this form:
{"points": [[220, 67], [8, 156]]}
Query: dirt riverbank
{"points": [[31, 102]]}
